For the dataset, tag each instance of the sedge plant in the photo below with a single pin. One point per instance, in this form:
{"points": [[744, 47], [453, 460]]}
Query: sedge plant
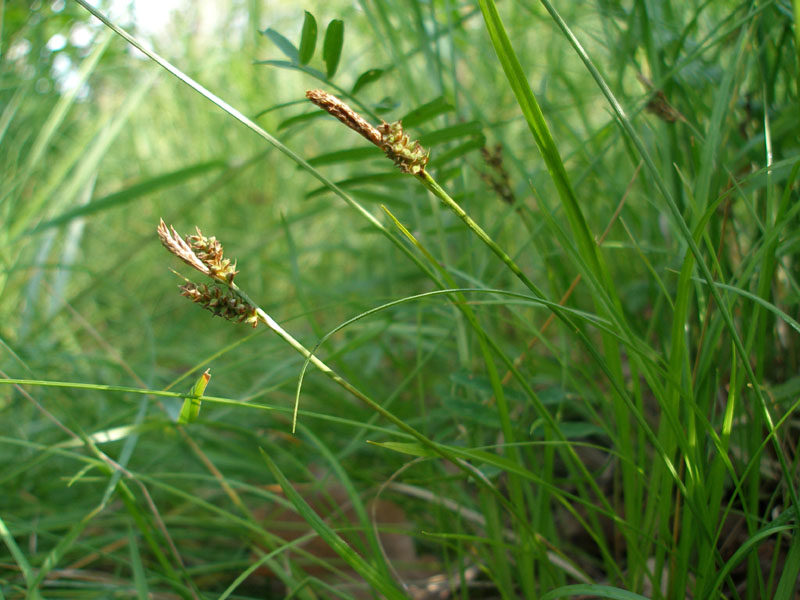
{"points": [[638, 443]]}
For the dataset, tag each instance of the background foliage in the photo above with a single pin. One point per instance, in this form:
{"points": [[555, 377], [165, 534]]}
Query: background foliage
{"points": [[624, 428]]}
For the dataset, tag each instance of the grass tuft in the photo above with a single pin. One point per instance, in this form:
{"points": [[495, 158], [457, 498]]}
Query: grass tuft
{"points": [[565, 367]]}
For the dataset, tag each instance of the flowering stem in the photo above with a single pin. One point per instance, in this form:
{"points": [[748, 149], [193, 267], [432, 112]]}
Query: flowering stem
{"points": [[205, 255], [433, 186]]}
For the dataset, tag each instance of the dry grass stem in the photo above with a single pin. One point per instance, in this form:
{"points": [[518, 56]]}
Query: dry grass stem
{"points": [[206, 255]]}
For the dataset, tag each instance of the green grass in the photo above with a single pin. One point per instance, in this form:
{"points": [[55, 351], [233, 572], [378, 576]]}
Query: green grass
{"points": [[560, 362]]}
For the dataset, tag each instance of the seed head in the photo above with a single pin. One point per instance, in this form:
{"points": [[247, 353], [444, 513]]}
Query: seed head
{"points": [[209, 251], [409, 157], [199, 252], [221, 302]]}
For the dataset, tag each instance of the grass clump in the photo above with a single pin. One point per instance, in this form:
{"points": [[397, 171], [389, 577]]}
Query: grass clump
{"points": [[565, 366]]}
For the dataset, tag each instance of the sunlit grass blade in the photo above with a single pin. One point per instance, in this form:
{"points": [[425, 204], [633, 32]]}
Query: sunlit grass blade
{"points": [[19, 556], [541, 132], [593, 591]]}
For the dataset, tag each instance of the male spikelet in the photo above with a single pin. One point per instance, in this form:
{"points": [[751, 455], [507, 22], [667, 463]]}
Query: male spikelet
{"points": [[409, 156]]}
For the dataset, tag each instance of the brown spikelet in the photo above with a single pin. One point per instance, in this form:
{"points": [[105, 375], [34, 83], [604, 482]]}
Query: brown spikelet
{"points": [[658, 103], [209, 251], [221, 302], [345, 114], [659, 106], [407, 155], [199, 252], [497, 178], [179, 247]]}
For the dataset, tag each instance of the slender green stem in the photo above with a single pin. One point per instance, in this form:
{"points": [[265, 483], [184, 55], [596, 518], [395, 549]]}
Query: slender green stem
{"points": [[433, 186]]}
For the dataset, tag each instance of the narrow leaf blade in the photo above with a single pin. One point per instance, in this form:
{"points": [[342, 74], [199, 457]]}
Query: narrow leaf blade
{"points": [[594, 591], [302, 118], [369, 572], [133, 192], [409, 448], [426, 112], [470, 145], [453, 132]]}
